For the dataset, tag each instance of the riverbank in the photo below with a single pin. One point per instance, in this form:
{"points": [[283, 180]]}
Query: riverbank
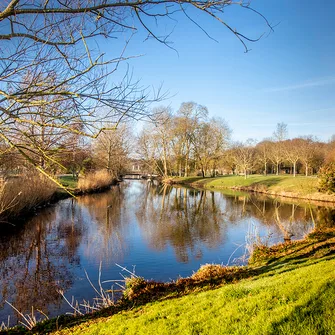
{"points": [[300, 187], [286, 289], [22, 197]]}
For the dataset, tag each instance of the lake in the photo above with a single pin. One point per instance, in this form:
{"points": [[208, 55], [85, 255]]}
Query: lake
{"points": [[159, 232]]}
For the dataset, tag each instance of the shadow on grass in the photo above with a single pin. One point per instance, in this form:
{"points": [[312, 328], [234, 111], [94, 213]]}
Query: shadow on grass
{"points": [[267, 182], [316, 316]]}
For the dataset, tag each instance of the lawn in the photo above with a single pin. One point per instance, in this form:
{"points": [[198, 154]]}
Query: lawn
{"points": [[300, 184], [297, 301], [68, 181]]}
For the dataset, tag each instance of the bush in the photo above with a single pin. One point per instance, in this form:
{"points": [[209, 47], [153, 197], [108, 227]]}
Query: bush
{"points": [[134, 285], [95, 180], [327, 178], [24, 193]]}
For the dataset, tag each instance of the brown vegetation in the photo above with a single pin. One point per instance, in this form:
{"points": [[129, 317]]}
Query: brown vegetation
{"points": [[95, 181], [24, 193]]}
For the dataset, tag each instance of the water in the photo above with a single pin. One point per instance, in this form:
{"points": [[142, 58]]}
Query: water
{"points": [[160, 232]]}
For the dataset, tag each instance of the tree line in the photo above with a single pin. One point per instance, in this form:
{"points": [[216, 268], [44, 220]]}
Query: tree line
{"points": [[189, 143], [181, 143]]}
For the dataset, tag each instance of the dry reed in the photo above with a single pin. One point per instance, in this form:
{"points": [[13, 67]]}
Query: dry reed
{"points": [[94, 181], [24, 193]]}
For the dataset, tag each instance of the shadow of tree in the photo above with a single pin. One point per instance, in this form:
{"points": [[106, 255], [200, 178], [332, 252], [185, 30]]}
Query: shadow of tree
{"points": [[311, 318], [267, 182]]}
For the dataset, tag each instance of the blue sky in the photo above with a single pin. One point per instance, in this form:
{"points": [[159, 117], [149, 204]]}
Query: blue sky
{"points": [[288, 76]]}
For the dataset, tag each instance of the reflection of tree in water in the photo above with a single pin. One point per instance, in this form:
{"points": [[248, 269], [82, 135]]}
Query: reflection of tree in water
{"points": [[33, 261], [185, 219], [287, 219], [106, 210], [188, 219], [324, 217]]}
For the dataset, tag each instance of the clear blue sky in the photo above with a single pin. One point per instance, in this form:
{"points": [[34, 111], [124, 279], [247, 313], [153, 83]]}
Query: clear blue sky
{"points": [[287, 77]]}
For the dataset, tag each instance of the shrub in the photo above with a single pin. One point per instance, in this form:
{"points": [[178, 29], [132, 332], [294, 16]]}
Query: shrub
{"points": [[94, 181], [134, 285], [24, 193], [327, 178]]}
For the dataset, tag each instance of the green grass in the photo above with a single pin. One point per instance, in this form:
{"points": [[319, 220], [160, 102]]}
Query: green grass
{"points": [[300, 184], [68, 181], [300, 301]]}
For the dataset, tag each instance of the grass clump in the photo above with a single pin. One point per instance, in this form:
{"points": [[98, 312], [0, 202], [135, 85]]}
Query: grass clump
{"points": [[216, 272], [94, 181], [133, 287]]}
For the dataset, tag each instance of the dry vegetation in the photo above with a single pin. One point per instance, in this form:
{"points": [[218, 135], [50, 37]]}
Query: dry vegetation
{"points": [[23, 194], [94, 181]]}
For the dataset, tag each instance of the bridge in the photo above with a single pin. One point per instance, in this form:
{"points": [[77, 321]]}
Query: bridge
{"points": [[138, 175]]}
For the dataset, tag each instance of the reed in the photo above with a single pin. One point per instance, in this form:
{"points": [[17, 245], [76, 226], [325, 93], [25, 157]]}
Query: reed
{"points": [[94, 181], [24, 193]]}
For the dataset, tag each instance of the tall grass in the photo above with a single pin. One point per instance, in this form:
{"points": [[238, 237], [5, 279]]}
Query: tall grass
{"points": [[94, 181], [23, 194]]}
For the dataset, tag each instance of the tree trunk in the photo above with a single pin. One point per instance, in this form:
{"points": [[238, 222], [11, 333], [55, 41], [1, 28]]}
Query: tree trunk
{"points": [[186, 166], [265, 168], [306, 169], [294, 168]]}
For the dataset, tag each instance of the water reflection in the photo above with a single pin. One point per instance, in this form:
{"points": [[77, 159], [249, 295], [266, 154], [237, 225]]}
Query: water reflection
{"points": [[165, 231], [185, 219], [34, 262]]}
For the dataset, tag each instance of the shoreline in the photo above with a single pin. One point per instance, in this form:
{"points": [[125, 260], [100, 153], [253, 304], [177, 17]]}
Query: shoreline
{"points": [[60, 194], [205, 183], [265, 262]]}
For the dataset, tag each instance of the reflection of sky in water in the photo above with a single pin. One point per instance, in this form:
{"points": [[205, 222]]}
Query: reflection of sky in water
{"points": [[163, 232]]}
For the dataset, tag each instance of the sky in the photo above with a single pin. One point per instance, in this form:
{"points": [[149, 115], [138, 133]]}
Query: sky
{"points": [[288, 76]]}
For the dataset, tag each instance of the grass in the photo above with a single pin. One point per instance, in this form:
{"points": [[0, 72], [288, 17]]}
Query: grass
{"points": [[68, 181], [282, 185], [300, 301], [286, 289]]}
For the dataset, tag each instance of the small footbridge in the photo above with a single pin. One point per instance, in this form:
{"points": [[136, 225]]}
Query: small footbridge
{"points": [[139, 175]]}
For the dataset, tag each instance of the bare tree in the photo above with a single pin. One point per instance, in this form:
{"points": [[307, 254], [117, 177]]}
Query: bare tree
{"points": [[281, 132], [49, 56], [112, 148], [209, 141], [189, 117], [292, 152], [163, 134], [245, 156], [263, 153], [309, 148]]}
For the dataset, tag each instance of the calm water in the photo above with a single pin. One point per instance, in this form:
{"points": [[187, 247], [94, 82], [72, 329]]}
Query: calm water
{"points": [[164, 232]]}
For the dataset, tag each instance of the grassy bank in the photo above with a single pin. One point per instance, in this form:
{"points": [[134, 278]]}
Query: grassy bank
{"points": [[286, 289], [283, 185], [297, 302]]}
